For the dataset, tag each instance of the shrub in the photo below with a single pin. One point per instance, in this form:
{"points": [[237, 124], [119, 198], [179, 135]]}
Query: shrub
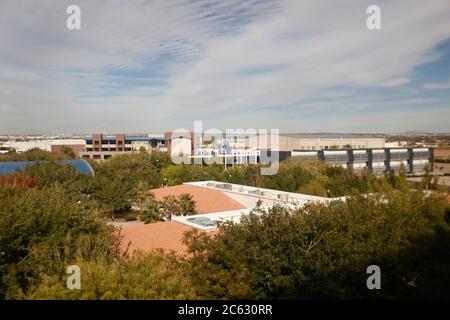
{"points": [[131, 217], [143, 276], [323, 250], [42, 231]]}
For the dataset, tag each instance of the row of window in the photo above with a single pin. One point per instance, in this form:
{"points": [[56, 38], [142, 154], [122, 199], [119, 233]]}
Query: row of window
{"points": [[330, 147]]}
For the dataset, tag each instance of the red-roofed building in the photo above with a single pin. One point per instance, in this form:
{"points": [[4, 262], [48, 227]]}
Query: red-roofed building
{"points": [[206, 200], [166, 235]]}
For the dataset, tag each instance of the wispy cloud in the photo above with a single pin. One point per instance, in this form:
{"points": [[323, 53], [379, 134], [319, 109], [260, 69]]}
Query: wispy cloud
{"points": [[437, 85], [155, 65]]}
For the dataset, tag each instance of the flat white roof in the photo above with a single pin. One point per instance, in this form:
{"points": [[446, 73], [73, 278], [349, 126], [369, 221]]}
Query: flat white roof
{"points": [[270, 197], [263, 193]]}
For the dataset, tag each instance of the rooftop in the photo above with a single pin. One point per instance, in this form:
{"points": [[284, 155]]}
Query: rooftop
{"points": [[130, 138], [166, 235], [207, 200], [217, 202], [248, 197], [272, 195]]}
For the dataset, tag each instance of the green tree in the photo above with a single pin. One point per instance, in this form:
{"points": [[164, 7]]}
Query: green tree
{"points": [[34, 154], [113, 195], [42, 231], [153, 213], [183, 205], [143, 196], [313, 188], [68, 152], [187, 204], [435, 182], [426, 180], [143, 276], [323, 250], [170, 206]]}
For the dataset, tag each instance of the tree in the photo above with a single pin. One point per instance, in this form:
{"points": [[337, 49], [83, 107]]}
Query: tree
{"points": [[68, 152], [170, 206], [48, 173], [313, 188], [114, 184], [17, 180], [323, 250], [426, 180], [187, 204], [143, 196], [34, 154], [142, 276], [183, 205], [435, 182], [42, 231], [113, 195], [152, 213], [177, 174]]}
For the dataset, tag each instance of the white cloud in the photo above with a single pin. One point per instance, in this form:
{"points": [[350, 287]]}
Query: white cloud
{"points": [[437, 85], [210, 58]]}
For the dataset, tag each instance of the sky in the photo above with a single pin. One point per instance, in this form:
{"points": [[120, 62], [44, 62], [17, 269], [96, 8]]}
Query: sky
{"points": [[293, 65]]}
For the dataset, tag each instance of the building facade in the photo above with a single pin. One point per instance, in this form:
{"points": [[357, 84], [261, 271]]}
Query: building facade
{"points": [[378, 161], [102, 147], [313, 142], [442, 153]]}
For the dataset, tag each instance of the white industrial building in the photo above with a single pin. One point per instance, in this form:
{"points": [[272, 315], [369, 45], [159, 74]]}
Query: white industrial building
{"points": [[22, 145]]}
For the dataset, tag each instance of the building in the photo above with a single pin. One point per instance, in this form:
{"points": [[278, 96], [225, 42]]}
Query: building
{"points": [[167, 236], [226, 155], [378, 160], [207, 200], [216, 202], [4, 149], [442, 153], [290, 142], [101, 147], [25, 144], [76, 149], [81, 166], [180, 143]]}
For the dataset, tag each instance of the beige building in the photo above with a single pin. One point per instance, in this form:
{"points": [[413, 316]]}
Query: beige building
{"points": [[442, 153], [289, 143]]}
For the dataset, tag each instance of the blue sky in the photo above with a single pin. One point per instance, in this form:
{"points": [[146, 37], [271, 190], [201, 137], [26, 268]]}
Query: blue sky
{"points": [[292, 65]]}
